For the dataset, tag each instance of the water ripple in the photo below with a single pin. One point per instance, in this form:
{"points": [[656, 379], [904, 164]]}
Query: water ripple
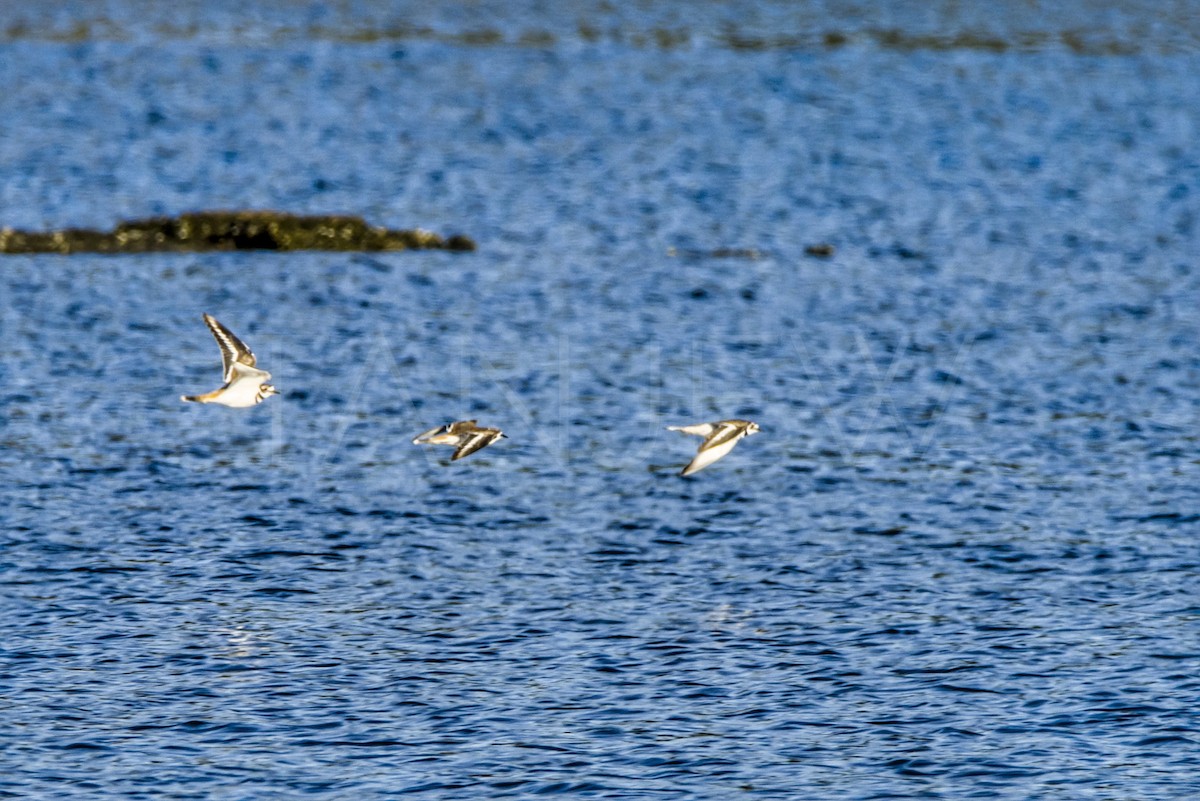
{"points": [[958, 562]]}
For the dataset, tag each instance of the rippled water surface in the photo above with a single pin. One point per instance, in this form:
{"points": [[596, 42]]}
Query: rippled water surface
{"points": [[960, 561]]}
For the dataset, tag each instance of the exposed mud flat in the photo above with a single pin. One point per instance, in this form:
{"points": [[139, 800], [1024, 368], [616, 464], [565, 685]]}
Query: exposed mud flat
{"points": [[1086, 27], [231, 230]]}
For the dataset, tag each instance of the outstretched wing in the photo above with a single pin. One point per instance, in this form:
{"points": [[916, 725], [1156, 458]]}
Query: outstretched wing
{"points": [[428, 437], [699, 430], [722, 432], [474, 441], [717, 444], [233, 350], [709, 454]]}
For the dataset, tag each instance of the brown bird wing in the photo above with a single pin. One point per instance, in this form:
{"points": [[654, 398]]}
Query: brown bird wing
{"points": [[474, 441], [233, 350]]}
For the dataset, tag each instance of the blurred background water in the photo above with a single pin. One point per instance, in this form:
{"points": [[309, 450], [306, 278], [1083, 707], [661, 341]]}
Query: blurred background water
{"points": [[959, 562]]}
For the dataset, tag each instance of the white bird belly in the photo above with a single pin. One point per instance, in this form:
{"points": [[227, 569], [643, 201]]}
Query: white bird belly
{"points": [[244, 391]]}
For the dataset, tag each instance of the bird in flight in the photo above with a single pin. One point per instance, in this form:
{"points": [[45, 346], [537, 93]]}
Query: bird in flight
{"points": [[245, 385], [719, 439], [464, 435]]}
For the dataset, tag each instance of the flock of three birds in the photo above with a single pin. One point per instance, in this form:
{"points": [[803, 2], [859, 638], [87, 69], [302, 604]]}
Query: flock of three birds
{"points": [[246, 385]]}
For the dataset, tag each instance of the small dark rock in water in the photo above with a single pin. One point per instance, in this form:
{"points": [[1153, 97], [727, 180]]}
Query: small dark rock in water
{"points": [[751, 254], [230, 230], [822, 250], [737, 253]]}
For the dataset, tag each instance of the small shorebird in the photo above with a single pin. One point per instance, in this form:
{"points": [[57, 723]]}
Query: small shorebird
{"points": [[719, 439], [245, 384], [464, 435]]}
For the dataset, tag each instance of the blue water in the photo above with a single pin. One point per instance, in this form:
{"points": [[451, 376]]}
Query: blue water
{"points": [[960, 561]]}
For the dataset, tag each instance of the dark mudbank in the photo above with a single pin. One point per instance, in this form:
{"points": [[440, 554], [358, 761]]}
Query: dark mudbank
{"points": [[230, 230]]}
